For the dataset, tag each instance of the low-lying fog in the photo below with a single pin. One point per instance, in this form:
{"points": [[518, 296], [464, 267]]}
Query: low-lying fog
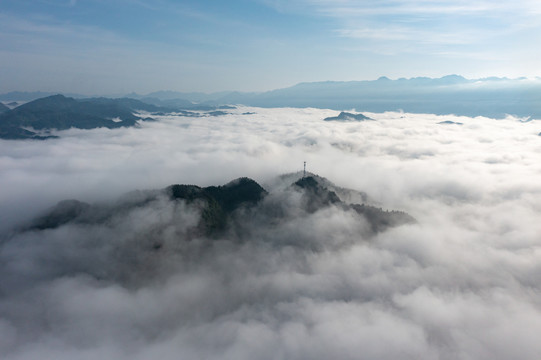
{"points": [[464, 282]]}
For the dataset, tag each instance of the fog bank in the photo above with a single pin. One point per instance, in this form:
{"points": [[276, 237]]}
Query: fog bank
{"points": [[461, 283]]}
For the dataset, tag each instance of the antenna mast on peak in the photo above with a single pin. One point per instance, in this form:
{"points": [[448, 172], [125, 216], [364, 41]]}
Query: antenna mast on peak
{"points": [[304, 172]]}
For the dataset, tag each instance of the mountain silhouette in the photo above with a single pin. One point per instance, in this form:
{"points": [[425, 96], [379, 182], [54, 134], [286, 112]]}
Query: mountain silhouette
{"points": [[60, 113], [345, 116]]}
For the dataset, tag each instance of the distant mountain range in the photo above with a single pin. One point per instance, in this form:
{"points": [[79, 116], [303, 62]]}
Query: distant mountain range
{"points": [[35, 119], [453, 94], [492, 97]]}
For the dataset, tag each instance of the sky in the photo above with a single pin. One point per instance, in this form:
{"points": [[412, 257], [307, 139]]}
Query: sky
{"points": [[120, 46], [463, 282]]}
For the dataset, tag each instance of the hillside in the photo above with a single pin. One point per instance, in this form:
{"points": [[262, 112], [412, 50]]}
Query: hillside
{"points": [[60, 113], [3, 108]]}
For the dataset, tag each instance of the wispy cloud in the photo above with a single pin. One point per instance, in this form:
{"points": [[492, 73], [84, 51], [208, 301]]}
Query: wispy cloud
{"points": [[347, 8], [422, 22], [403, 33]]}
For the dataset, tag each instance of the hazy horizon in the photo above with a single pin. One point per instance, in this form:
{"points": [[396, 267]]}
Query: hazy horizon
{"points": [[488, 78]]}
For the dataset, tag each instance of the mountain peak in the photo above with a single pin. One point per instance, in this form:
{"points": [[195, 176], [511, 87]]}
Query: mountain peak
{"points": [[346, 116], [218, 205]]}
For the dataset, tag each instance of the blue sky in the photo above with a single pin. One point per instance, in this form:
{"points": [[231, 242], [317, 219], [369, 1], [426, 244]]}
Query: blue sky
{"points": [[119, 46]]}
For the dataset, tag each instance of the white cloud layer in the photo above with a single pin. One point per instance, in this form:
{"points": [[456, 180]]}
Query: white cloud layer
{"points": [[462, 283]]}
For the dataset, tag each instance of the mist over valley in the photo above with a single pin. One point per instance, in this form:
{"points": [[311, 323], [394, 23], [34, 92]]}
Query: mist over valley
{"points": [[133, 267]]}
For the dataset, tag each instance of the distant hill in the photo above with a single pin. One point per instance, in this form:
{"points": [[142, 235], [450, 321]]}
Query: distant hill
{"points": [[449, 122], [35, 119], [345, 116], [193, 97], [60, 112], [3, 108], [181, 103], [33, 95], [176, 100]]}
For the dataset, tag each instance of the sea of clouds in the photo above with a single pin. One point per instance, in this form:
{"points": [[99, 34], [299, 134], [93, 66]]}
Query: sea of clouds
{"points": [[464, 282]]}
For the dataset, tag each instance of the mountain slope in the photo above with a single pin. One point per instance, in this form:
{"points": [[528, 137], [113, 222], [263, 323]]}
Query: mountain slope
{"points": [[219, 202], [60, 112], [317, 196], [3, 108]]}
